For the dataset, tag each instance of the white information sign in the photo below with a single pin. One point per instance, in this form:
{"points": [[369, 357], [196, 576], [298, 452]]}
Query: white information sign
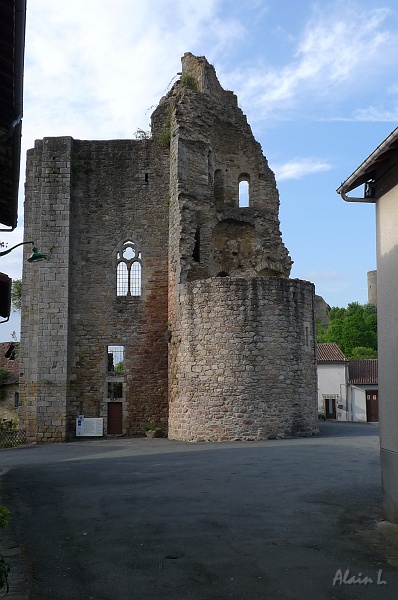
{"points": [[89, 426]]}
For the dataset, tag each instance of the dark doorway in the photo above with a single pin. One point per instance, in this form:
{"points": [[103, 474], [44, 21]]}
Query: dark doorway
{"points": [[330, 408], [372, 406], [115, 418]]}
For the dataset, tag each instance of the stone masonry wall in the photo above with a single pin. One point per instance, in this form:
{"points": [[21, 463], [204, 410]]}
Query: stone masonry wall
{"points": [[120, 192], [45, 300], [83, 201], [244, 364]]}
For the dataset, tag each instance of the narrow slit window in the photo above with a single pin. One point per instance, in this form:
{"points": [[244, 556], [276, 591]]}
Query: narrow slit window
{"points": [[196, 248], [243, 193], [128, 270], [122, 279], [135, 279]]}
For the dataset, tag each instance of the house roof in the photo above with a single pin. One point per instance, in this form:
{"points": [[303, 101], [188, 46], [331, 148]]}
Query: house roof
{"points": [[9, 361], [329, 352], [363, 371], [12, 46], [366, 170]]}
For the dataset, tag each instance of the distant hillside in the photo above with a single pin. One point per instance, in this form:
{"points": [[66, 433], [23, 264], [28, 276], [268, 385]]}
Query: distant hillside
{"points": [[321, 309]]}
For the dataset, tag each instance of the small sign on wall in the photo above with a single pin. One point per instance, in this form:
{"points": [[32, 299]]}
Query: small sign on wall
{"points": [[89, 427]]}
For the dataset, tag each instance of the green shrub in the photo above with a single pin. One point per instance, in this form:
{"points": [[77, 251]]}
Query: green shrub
{"points": [[190, 82]]}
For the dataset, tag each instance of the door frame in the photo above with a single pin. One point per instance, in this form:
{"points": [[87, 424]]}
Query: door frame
{"points": [[330, 416], [112, 422]]}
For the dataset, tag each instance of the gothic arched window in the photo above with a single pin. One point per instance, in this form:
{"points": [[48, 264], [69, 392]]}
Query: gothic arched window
{"points": [[128, 269]]}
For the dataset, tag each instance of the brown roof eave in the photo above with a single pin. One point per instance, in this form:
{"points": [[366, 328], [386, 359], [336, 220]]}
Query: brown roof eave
{"points": [[332, 362], [10, 142], [20, 26], [366, 170]]}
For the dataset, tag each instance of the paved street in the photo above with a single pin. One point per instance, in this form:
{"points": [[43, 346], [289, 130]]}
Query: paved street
{"points": [[128, 519]]}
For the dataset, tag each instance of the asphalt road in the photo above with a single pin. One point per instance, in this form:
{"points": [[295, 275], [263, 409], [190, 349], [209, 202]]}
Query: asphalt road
{"points": [[141, 519]]}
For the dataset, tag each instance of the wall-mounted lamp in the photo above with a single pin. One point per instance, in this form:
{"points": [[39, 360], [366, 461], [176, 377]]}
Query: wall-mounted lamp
{"points": [[6, 282], [36, 256]]}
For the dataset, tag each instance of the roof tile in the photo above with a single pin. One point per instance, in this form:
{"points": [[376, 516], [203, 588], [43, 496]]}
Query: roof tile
{"points": [[329, 352], [363, 371]]}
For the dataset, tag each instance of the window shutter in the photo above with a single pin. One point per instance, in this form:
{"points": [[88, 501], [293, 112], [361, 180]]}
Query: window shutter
{"points": [[5, 295]]}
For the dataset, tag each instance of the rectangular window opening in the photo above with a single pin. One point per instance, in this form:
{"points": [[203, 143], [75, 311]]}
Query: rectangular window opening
{"points": [[115, 359], [115, 390]]}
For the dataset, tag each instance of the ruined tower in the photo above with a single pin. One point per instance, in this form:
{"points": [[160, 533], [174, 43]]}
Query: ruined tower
{"points": [[166, 292], [241, 359]]}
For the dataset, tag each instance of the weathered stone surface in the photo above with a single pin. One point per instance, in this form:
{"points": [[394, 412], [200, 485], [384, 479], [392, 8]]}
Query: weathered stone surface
{"points": [[220, 342], [262, 383]]}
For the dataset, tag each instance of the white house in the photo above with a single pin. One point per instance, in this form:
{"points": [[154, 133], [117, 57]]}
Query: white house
{"points": [[347, 389], [332, 367], [379, 175], [362, 390]]}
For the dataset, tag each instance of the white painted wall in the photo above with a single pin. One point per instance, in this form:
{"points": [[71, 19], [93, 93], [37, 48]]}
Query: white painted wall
{"points": [[387, 310], [332, 380], [387, 321], [356, 404]]}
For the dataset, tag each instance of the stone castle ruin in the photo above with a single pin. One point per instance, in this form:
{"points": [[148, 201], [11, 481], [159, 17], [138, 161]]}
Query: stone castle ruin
{"points": [[166, 293]]}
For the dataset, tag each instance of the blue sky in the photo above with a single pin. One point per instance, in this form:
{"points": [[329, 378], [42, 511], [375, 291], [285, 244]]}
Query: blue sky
{"points": [[317, 81]]}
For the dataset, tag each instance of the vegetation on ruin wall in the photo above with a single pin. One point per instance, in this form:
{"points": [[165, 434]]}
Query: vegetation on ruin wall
{"points": [[164, 136], [353, 329], [190, 82]]}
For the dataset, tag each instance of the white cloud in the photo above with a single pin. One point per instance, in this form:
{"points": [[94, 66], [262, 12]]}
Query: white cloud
{"points": [[324, 276], [327, 64], [94, 71], [300, 167], [372, 113]]}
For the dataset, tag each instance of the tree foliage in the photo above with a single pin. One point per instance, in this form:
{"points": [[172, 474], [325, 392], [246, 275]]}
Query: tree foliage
{"points": [[361, 352], [16, 294], [353, 329]]}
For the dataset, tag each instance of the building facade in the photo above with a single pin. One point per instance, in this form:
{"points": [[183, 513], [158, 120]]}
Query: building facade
{"points": [[166, 294], [379, 176], [347, 389], [332, 382]]}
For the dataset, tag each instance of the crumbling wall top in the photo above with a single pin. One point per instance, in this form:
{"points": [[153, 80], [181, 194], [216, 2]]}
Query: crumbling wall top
{"points": [[205, 75]]}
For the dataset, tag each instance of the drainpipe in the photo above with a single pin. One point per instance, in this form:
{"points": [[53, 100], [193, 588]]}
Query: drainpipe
{"points": [[366, 168], [345, 385], [352, 199]]}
